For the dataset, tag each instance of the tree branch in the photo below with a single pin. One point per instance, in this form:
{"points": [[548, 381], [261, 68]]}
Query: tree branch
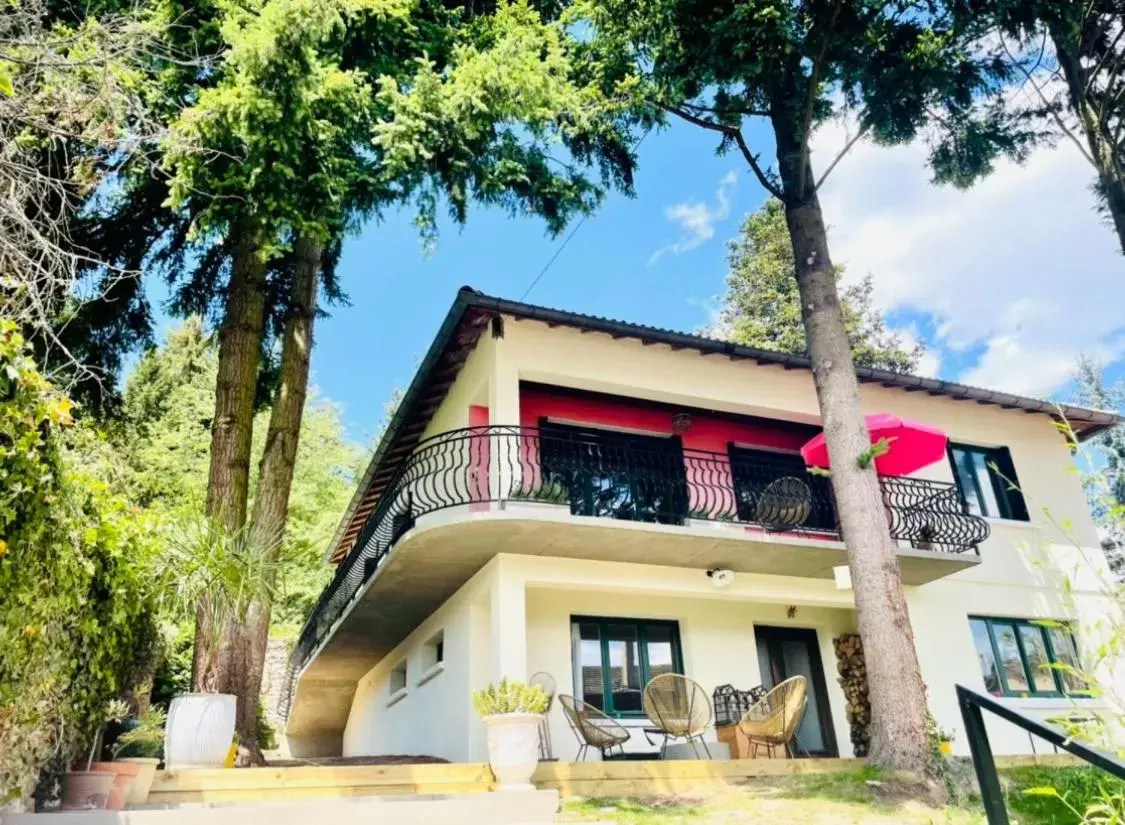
{"points": [[729, 133], [810, 100], [752, 159], [1047, 103], [863, 130]]}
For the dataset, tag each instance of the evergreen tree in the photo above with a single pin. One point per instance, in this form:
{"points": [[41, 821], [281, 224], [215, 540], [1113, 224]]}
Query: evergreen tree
{"points": [[1105, 488], [893, 69], [762, 308], [1068, 58]]}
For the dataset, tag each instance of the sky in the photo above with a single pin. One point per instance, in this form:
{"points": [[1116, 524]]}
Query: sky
{"points": [[1005, 283]]}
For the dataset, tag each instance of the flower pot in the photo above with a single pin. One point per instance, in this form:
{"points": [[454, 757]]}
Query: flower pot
{"points": [[199, 730], [142, 784], [86, 790], [124, 774], [513, 749]]}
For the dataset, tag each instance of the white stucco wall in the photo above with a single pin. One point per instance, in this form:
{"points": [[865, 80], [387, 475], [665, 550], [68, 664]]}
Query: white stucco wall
{"points": [[432, 716]]}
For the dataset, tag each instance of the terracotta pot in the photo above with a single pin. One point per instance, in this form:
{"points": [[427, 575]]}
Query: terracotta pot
{"points": [[124, 774], [513, 749], [146, 772], [86, 790]]}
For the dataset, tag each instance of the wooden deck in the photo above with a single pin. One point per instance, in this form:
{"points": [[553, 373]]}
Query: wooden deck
{"points": [[640, 778]]}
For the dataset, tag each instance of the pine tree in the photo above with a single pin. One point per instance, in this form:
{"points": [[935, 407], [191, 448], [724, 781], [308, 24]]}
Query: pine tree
{"points": [[762, 307]]}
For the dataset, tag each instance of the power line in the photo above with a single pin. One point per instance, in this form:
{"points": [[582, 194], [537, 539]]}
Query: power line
{"points": [[572, 233]]}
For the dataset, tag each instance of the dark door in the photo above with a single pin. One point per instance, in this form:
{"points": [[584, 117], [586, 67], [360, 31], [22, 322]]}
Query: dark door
{"points": [[616, 475], [793, 651]]}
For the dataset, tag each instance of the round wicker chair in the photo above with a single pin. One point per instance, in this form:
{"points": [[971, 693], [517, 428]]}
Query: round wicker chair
{"points": [[784, 505], [593, 728], [545, 681], [679, 708], [773, 719]]}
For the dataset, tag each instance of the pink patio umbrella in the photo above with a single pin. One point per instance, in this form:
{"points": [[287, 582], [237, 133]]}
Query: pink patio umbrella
{"points": [[913, 445]]}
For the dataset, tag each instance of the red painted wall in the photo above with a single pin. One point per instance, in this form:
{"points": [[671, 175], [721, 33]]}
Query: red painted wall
{"points": [[712, 433]]}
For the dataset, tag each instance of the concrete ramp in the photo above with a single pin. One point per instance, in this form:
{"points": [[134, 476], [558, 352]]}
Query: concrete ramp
{"points": [[499, 808]]}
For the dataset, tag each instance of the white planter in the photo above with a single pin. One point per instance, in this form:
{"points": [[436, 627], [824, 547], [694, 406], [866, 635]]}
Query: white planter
{"points": [[513, 749], [143, 783], [199, 730]]}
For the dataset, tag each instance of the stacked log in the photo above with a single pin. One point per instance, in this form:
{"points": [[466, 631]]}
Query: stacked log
{"points": [[852, 669]]}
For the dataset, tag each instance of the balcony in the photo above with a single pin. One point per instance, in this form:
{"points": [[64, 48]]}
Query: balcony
{"points": [[559, 477]]}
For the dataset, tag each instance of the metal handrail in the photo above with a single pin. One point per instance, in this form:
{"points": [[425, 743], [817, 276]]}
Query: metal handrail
{"points": [[620, 476], [972, 704]]}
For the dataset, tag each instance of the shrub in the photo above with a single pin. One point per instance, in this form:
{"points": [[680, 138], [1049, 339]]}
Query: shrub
{"points": [[510, 697], [77, 617], [146, 739]]}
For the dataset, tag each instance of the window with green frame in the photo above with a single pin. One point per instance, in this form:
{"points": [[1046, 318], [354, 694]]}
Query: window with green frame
{"points": [[615, 658], [1021, 657], [986, 476]]}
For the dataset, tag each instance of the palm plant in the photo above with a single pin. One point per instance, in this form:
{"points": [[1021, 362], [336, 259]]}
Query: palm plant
{"points": [[217, 575]]}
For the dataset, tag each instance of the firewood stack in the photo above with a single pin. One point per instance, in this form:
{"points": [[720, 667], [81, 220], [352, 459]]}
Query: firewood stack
{"points": [[852, 667]]}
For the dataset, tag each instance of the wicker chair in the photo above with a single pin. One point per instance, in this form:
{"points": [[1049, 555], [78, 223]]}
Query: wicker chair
{"points": [[545, 681], [680, 709], [593, 729], [774, 718], [784, 505]]}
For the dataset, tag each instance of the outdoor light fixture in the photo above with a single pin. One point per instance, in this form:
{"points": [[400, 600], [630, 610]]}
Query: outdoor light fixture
{"points": [[681, 423], [720, 576]]}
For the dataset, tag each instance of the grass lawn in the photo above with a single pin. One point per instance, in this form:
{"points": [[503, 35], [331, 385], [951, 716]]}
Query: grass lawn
{"points": [[856, 797]]}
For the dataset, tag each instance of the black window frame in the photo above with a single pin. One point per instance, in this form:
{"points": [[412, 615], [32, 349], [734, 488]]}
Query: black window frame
{"points": [[603, 622], [1044, 626], [1010, 501]]}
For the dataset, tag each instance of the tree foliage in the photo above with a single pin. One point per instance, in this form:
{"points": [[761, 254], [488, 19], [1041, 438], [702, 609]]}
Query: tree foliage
{"points": [[1067, 59], [762, 307], [163, 440], [77, 608], [1105, 484]]}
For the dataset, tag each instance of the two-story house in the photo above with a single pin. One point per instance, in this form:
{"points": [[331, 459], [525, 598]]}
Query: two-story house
{"points": [[556, 490]]}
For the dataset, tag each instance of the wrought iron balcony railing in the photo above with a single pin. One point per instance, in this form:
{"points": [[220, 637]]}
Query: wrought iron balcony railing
{"points": [[621, 476]]}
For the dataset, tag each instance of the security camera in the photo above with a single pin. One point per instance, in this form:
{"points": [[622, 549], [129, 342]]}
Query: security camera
{"points": [[720, 576]]}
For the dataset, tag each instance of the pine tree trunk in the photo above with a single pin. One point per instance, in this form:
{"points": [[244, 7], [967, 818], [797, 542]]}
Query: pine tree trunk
{"points": [[896, 690], [275, 478], [1066, 36], [240, 342]]}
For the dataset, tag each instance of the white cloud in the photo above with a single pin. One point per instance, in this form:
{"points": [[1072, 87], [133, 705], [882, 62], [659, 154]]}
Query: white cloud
{"points": [[697, 219], [929, 365], [1019, 265]]}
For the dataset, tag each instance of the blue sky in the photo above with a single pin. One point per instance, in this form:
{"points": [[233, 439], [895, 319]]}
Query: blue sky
{"points": [[1006, 283], [399, 295]]}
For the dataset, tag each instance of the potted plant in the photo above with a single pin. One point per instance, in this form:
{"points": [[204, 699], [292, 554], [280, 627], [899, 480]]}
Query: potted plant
{"points": [[142, 745], [215, 575], [945, 741], [512, 712], [97, 786]]}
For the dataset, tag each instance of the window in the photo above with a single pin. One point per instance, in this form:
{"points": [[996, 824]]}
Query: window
{"points": [[433, 652], [616, 475], [987, 492], [398, 678], [1026, 658], [615, 658]]}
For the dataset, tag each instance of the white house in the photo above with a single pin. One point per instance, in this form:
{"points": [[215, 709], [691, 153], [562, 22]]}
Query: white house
{"points": [[555, 487]]}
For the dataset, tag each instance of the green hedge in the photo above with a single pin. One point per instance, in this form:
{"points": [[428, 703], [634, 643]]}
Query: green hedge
{"points": [[75, 615]]}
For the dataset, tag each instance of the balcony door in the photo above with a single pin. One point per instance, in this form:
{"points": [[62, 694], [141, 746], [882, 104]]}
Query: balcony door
{"points": [[784, 652], [616, 475]]}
